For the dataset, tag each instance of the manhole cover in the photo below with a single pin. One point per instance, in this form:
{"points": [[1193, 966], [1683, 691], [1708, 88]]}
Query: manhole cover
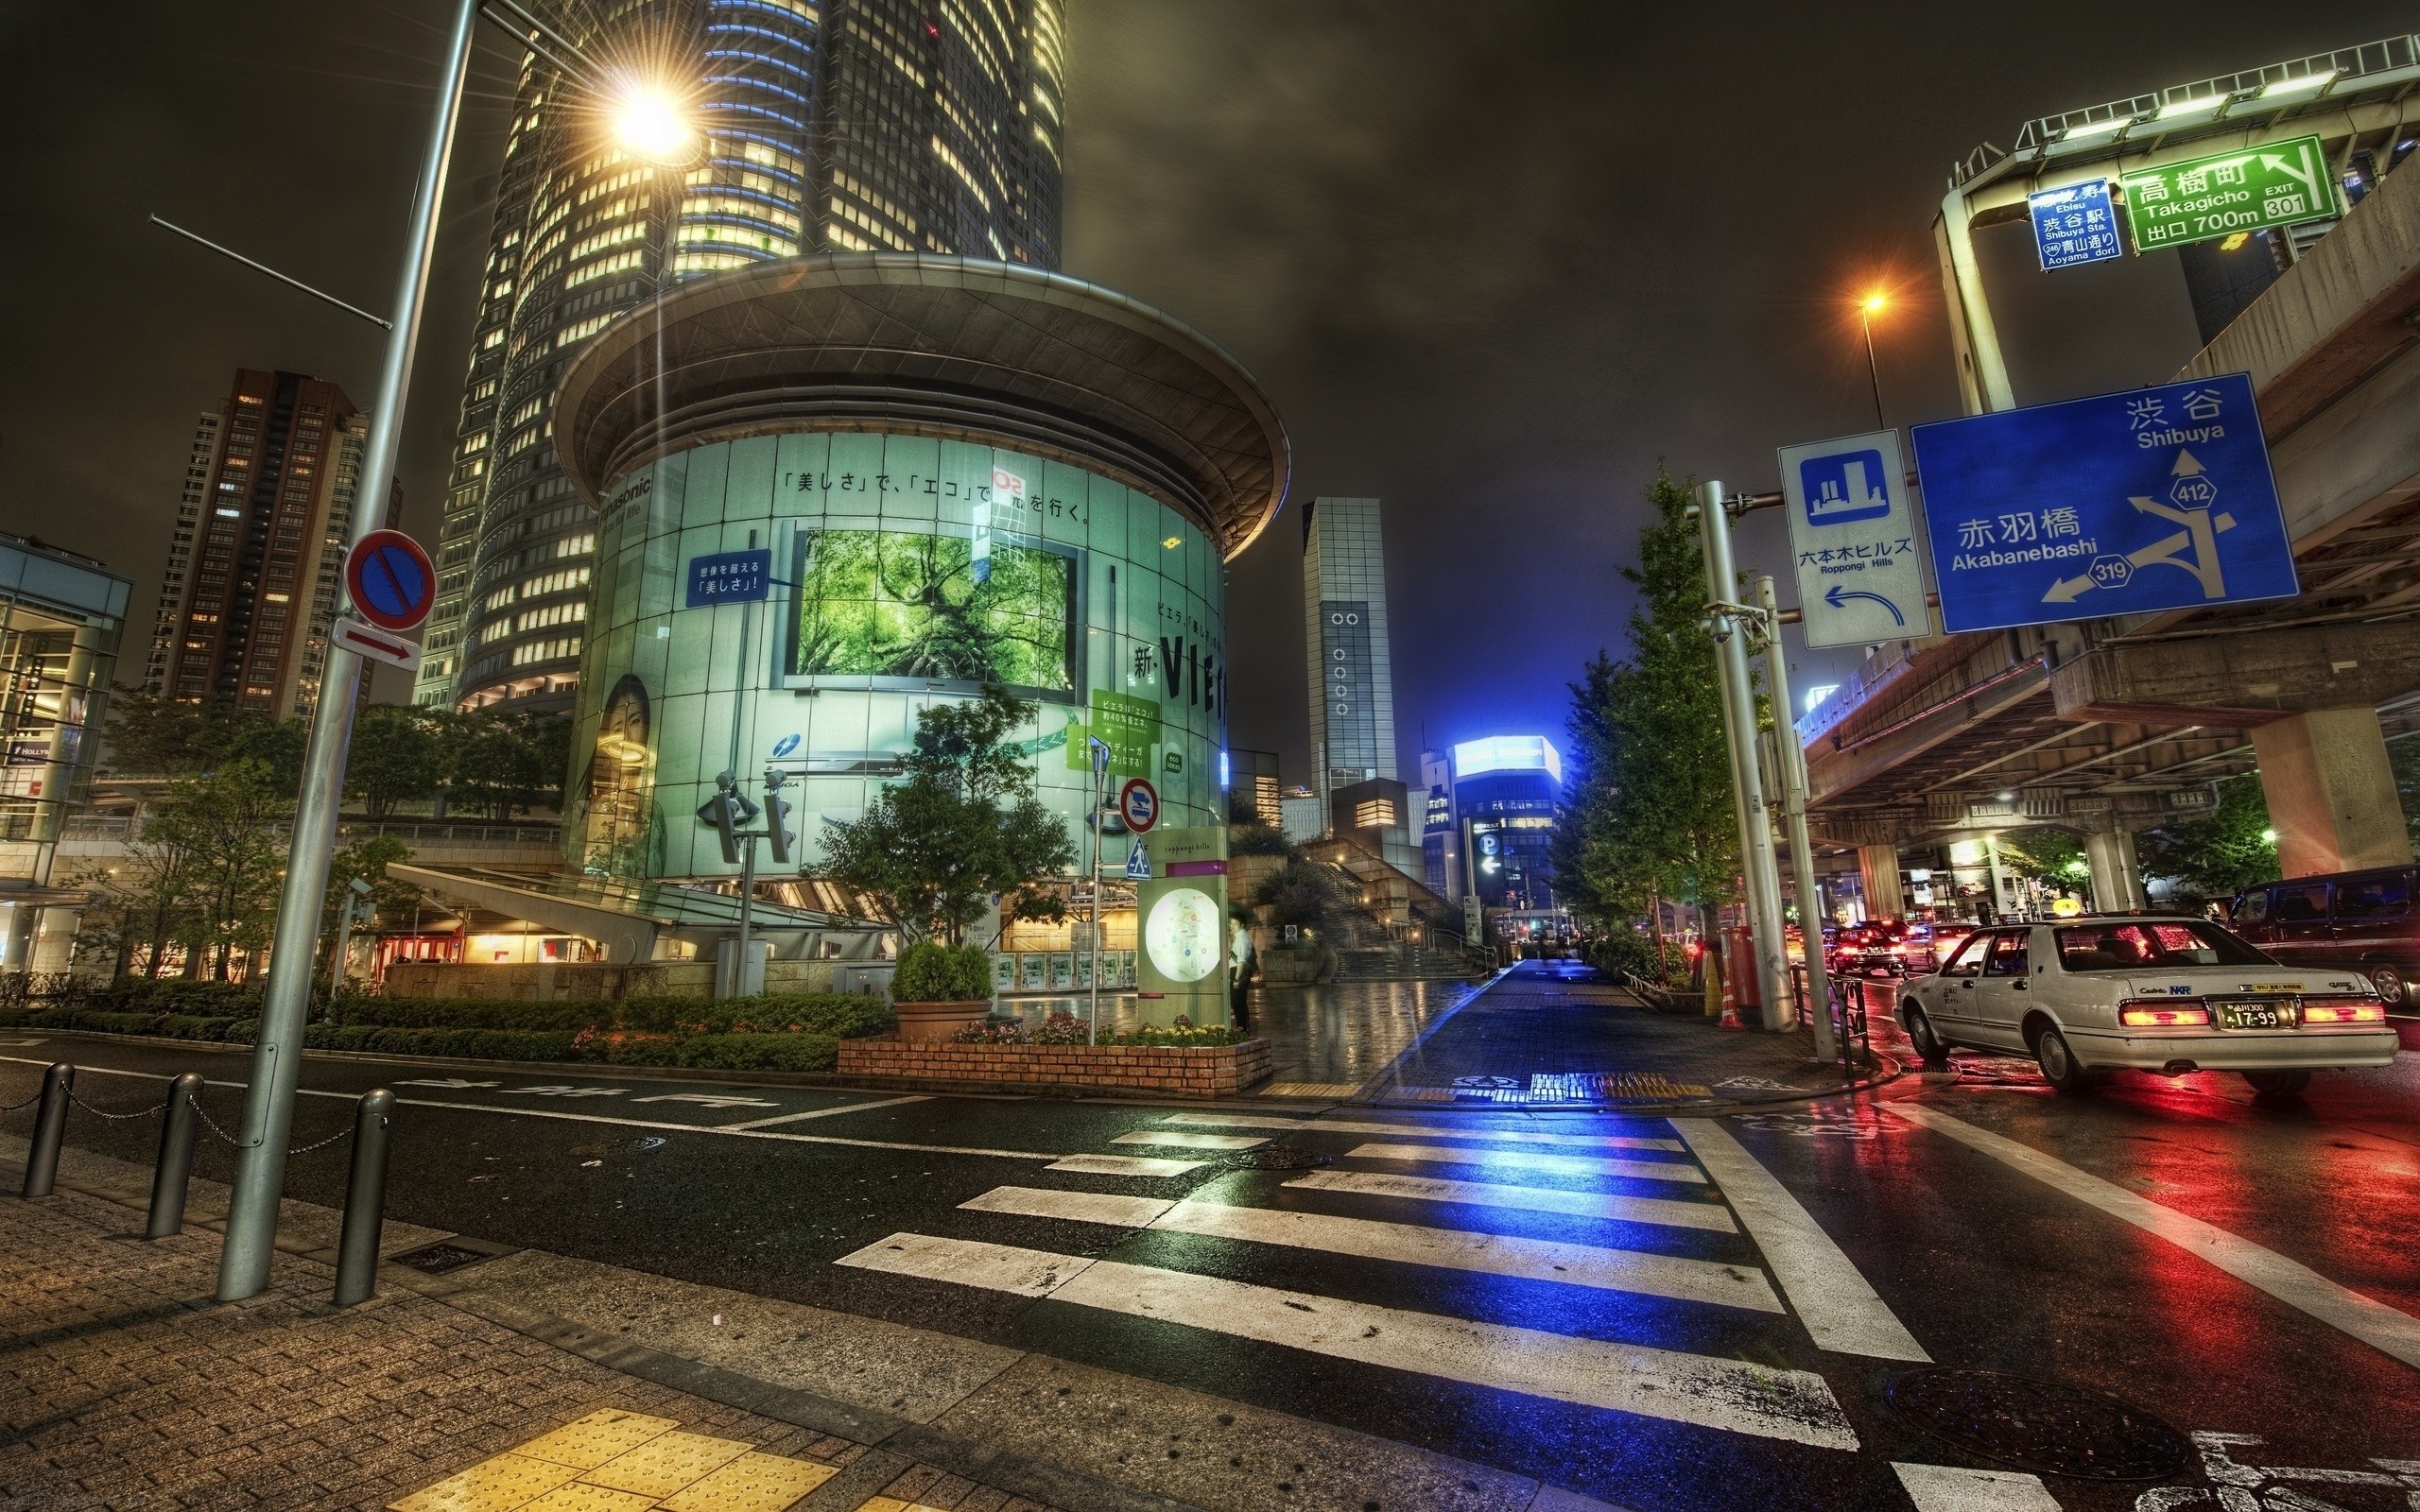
{"points": [[438, 1258], [2041, 1426], [1279, 1157]]}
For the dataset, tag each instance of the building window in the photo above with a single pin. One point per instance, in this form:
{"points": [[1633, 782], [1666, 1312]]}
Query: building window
{"points": [[1374, 814]]}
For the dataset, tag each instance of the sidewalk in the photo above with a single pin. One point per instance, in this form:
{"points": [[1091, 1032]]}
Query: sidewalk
{"points": [[1555, 1034]]}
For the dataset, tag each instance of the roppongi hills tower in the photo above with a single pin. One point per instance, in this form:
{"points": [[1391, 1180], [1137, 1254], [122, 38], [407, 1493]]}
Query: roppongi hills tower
{"points": [[930, 125]]}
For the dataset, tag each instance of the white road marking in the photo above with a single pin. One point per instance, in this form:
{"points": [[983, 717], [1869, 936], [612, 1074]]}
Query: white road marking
{"points": [[1434, 1131], [1526, 1161], [1125, 1165], [1677, 1213], [2388, 1330], [1948, 1488], [1180, 1141], [829, 1112], [1615, 1270], [1836, 1302], [1710, 1392]]}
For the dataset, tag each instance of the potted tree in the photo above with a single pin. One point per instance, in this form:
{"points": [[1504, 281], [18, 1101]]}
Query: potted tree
{"points": [[939, 990]]}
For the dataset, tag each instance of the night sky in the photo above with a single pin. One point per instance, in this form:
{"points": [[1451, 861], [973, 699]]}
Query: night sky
{"points": [[1492, 263]]}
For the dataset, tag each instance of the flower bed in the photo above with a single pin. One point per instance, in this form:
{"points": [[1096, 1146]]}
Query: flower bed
{"points": [[1167, 1070]]}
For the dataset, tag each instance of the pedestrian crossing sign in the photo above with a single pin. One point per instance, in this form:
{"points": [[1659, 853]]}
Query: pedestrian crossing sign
{"points": [[1138, 865]]}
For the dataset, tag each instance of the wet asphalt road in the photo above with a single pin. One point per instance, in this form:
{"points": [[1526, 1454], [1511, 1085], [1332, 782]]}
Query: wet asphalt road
{"points": [[1971, 1259]]}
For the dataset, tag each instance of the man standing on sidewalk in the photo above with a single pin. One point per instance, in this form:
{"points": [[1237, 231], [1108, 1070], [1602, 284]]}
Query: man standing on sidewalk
{"points": [[1238, 975]]}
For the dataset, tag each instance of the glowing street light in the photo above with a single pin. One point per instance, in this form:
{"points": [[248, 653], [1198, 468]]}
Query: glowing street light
{"points": [[1867, 308]]}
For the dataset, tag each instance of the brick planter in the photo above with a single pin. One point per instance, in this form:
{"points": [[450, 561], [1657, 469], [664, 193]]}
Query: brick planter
{"points": [[1161, 1070]]}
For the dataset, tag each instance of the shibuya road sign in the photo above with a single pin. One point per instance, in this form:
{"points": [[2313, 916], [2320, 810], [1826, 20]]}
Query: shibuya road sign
{"points": [[2122, 504], [2246, 191]]}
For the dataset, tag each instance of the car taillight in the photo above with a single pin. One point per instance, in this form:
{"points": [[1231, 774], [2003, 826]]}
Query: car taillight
{"points": [[2154, 1013], [2346, 1010]]}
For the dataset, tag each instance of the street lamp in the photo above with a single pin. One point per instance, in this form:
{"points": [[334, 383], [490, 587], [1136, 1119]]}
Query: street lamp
{"points": [[1867, 308]]}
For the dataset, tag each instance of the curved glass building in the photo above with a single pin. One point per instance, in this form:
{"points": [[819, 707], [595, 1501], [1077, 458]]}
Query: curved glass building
{"points": [[962, 473], [851, 125]]}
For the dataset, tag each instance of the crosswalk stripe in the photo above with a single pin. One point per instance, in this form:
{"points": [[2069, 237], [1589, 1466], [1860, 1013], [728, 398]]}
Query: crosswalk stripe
{"points": [[1949, 1488], [1434, 1131], [1677, 1213], [1178, 1139], [1728, 1395], [1529, 1160], [1840, 1309], [2386, 1329], [1622, 1270], [1125, 1165]]}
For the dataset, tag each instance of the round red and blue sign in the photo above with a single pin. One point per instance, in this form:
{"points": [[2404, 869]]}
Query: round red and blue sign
{"points": [[390, 579], [1139, 804]]}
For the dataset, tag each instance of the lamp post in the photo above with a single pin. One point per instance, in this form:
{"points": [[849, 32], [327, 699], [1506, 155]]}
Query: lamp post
{"points": [[1867, 308]]}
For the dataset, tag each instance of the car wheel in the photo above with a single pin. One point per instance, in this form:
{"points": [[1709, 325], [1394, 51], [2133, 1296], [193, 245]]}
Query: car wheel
{"points": [[2059, 1065], [2392, 989], [1928, 1043], [2279, 1083]]}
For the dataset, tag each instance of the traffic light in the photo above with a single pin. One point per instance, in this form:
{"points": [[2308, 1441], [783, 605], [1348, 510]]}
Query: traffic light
{"points": [[727, 813], [777, 817]]}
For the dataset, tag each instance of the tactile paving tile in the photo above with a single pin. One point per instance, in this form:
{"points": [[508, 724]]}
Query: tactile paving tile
{"points": [[666, 1464], [752, 1483], [596, 1438], [495, 1484], [892, 1504], [578, 1498]]}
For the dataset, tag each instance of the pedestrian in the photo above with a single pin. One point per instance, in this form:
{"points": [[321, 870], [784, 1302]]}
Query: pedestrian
{"points": [[1238, 975]]}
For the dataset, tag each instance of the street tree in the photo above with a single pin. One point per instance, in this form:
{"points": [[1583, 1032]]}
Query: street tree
{"points": [[2220, 854], [397, 756], [231, 824], [963, 825]]}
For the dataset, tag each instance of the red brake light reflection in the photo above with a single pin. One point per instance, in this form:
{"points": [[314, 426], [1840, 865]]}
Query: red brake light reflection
{"points": [[2344, 1013], [2155, 1015]]}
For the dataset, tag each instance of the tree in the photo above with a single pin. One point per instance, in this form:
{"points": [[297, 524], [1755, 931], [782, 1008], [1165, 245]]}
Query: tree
{"points": [[504, 762], [232, 824], [961, 826], [2053, 857], [154, 736], [2218, 856], [149, 896], [398, 754]]}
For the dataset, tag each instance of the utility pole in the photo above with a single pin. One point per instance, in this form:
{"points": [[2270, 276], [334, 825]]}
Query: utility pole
{"points": [[1100, 801], [277, 1054], [1794, 814], [1727, 620]]}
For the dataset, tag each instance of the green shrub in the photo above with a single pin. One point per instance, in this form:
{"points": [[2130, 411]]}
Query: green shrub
{"points": [[930, 971], [115, 1023], [193, 1026], [1257, 840], [844, 1015], [477, 1013], [207, 1000], [468, 1044], [1187, 1036], [759, 1052]]}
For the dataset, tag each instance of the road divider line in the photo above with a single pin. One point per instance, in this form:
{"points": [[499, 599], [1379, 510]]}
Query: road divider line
{"points": [[827, 1112], [1842, 1310], [1675, 1212], [1731, 1395], [2388, 1330], [1529, 1160], [1178, 1140], [1564, 1264], [1125, 1165], [1949, 1488], [1434, 1131]]}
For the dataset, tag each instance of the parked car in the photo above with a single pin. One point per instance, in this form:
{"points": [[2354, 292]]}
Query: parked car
{"points": [[2360, 920], [1878, 949], [2163, 994]]}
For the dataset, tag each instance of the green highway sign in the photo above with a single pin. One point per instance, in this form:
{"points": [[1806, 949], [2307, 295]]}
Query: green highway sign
{"points": [[2246, 191]]}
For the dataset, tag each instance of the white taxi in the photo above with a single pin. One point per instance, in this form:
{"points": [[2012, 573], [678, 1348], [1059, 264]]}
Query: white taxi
{"points": [[2167, 995]]}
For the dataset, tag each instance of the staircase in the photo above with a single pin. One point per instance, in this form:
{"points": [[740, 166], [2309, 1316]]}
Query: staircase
{"points": [[1401, 962]]}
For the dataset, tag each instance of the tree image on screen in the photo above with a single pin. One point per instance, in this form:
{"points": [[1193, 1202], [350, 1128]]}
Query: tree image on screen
{"points": [[884, 604]]}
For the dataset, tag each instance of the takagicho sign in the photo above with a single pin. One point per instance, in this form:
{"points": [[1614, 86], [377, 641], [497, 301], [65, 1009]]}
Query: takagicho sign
{"points": [[2246, 191], [2122, 504]]}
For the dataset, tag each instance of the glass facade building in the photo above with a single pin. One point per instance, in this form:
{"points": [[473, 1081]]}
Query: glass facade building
{"points": [[1352, 670], [854, 125], [1508, 796]]}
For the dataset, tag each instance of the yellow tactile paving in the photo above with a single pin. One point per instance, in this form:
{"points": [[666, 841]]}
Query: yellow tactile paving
{"points": [[578, 1498], [752, 1483], [596, 1438], [497, 1485], [892, 1504], [666, 1464]]}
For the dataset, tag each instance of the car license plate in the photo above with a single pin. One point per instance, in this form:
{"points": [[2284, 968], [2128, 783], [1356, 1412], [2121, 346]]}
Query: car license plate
{"points": [[2248, 1016]]}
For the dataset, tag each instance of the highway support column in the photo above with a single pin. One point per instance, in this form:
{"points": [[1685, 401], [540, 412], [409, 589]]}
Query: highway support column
{"points": [[2117, 875], [2330, 786], [1877, 877]]}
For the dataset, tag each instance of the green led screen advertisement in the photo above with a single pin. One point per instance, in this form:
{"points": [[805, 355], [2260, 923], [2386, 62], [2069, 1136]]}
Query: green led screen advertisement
{"points": [[907, 571]]}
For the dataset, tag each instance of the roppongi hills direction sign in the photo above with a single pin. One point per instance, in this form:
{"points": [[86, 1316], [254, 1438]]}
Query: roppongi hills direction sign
{"points": [[2122, 504]]}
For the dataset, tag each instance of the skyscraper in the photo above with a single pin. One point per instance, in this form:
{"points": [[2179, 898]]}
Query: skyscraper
{"points": [[254, 561], [852, 126], [1352, 675]]}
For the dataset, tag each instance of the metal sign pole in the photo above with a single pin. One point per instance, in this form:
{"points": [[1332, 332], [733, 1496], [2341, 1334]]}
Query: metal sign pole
{"points": [[1101, 797], [1794, 813], [277, 1061]]}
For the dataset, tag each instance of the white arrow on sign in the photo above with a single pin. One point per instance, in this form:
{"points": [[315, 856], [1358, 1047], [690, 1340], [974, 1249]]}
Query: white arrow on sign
{"points": [[378, 645], [2200, 534]]}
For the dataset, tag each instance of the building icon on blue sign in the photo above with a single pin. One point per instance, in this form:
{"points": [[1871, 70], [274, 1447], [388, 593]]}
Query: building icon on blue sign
{"points": [[1844, 487]]}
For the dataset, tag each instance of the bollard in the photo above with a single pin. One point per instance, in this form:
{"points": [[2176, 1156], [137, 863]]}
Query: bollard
{"points": [[364, 1200], [173, 1173], [50, 1129]]}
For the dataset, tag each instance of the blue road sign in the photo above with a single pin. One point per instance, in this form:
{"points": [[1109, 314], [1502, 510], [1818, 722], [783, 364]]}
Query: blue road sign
{"points": [[1138, 862], [2075, 225], [389, 580], [1853, 536], [2122, 504], [729, 577]]}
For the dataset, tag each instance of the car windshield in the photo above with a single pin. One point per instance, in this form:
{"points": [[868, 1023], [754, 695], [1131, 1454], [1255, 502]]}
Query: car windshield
{"points": [[2136, 944]]}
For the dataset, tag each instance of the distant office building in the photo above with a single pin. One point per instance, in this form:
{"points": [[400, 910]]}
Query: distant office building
{"points": [[1252, 775], [61, 619], [1302, 816], [1440, 840], [1352, 673], [1508, 793], [855, 126], [256, 561]]}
